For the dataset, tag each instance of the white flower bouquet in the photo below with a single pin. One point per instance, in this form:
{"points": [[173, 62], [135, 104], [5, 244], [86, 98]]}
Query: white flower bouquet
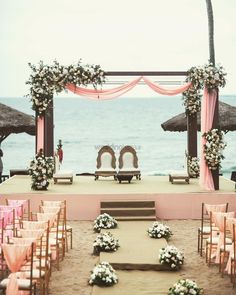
{"points": [[105, 242], [171, 257], [213, 148], [192, 101], [213, 76], [105, 221], [103, 274], [209, 76], [193, 167], [159, 230], [41, 169], [185, 287]]}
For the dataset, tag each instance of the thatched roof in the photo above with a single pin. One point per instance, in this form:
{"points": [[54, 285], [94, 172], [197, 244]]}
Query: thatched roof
{"points": [[14, 121], [227, 120]]}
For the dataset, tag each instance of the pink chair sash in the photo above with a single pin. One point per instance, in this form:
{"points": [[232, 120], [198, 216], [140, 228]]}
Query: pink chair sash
{"points": [[33, 225], [14, 255], [50, 209], [215, 208], [31, 233], [218, 217]]}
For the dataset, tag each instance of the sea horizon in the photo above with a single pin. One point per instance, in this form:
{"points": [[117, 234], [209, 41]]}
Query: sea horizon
{"points": [[84, 126]]}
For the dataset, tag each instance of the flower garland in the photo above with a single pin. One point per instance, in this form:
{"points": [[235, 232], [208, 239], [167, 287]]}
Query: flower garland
{"points": [[105, 242], [192, 101], [46, 80], [104, 221], [209, 76], [185, 287], [171, 257], [103, 274], [193, 167], [213, 148], [159, 230], [41, 169]]}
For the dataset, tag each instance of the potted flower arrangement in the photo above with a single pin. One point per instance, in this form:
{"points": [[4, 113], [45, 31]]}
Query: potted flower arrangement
{"points": [[185, 287], [159, 230], [103, 274], [171, 257], [105, 242], [105, 221], [193, 167], [41, 170], [213, 148]]}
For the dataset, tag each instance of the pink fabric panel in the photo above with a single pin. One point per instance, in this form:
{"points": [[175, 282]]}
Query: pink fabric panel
{"points": [[215, 208], [12, 286], [14, 255], [103, 94], [164, 91], [40, 133], [207, 115]]}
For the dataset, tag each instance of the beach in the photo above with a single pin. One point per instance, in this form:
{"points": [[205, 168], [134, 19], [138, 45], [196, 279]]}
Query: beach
{"points": [[72, 279]]}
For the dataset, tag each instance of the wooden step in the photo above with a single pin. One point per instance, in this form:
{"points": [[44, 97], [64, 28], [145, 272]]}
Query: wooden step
{"points": [[128, 204], [129, 211], [133, 218]]}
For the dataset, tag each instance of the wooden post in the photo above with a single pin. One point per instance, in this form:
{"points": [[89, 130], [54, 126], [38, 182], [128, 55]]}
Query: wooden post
{"points": [[215, 124], [49, 132], [192, 135]]}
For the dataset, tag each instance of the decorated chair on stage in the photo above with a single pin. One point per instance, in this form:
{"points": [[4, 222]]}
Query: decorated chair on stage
{"points": [[128, 164], [106, 163], [61, 174]]}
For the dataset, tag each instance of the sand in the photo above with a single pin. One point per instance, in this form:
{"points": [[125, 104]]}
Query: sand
{"points": [[75, 269]]}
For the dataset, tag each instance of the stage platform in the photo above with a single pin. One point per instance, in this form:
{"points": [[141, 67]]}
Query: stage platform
{"points": [[173, 201]]}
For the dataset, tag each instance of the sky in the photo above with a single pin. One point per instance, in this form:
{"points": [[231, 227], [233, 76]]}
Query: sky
{"points": [[152, 35]]}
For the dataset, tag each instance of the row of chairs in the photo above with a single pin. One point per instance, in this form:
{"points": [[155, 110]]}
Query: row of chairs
{"points": [[36, 245], [217, 238], [106, 162]]}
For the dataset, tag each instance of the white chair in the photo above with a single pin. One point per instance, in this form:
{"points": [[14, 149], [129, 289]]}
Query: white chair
{"points": [[61, 174], [106, 163], [128, 164], [180, 174]]}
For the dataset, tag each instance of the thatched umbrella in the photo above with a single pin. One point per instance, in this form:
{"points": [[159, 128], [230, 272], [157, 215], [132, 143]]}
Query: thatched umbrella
{"points": [[227, 120], [14, 121]]}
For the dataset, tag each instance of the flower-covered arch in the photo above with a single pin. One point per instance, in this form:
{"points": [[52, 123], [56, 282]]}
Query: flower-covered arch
{"points": [[46, 80]]}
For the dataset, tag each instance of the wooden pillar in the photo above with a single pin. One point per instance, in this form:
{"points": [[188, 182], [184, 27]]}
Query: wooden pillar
{"points": [[215, 124], [49, 132], [192, 135]]}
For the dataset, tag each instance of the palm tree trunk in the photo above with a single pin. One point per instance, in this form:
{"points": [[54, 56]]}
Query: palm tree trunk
{"points": [[211, 31]]}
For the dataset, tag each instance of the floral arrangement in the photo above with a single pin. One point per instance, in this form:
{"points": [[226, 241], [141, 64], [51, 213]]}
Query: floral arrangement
{"points": [[193, 167], [159, 230], [46, 80], [103, 274], [209, 75], [192, 101], [41, 169], [104, 221], [185, 287], [105, 242], [171, 257], [213, 148]]}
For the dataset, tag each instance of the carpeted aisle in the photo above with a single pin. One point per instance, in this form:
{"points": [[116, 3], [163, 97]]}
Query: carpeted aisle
{"points": [[136, 262]]}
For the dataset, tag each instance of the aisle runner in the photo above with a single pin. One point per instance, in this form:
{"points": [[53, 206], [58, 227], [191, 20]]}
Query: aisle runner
{"points": [[137, 250], [136, 282]]}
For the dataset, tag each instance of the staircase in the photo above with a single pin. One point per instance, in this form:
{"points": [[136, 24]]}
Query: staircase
{"points": [[129, 210]]}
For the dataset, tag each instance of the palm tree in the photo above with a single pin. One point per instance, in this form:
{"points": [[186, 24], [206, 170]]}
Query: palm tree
{"points": [[211, 31]]}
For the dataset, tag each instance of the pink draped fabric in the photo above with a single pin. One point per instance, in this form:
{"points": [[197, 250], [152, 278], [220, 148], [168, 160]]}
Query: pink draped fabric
{"points": [[207, 114], [103, 94], [118, 91], [40, 133], [165, 91], [14, 255]]}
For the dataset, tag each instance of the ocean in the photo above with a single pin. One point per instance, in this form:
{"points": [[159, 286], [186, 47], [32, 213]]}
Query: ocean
{"points": [[85, 125]]}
